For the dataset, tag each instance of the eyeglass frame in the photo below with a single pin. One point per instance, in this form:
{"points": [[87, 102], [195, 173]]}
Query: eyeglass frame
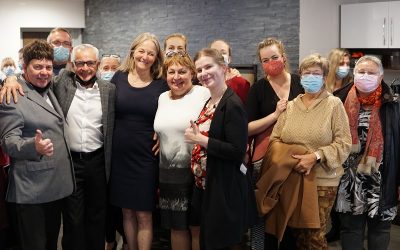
{"points": [[88, 63]]}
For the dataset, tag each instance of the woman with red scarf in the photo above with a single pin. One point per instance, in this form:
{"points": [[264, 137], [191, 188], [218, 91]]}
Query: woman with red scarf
{"points": [[369, 189]]}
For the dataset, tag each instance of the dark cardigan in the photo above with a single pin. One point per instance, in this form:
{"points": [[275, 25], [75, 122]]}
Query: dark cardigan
{"points": [[228, 203]]}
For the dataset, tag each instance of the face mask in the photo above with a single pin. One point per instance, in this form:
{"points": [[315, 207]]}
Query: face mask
{"points": [[226, 59], [107, 75], [273, 68], [61, 54], [366, 83], [9, 70], [311, 84], [342, 71], [20, 66]]}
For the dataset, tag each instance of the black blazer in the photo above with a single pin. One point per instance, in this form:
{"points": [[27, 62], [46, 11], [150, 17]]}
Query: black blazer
{"points": [[228, 197]]}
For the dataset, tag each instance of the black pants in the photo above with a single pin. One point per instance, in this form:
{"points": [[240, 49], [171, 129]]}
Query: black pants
{"points": [[38, 225], [85, 211]]}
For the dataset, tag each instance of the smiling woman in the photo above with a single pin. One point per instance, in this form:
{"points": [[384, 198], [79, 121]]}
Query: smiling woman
{"points": [[134, 160], [176, 108], [223, 200]]}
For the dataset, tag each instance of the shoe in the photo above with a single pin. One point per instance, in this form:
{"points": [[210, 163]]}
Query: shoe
{"points": [[332, 236]]}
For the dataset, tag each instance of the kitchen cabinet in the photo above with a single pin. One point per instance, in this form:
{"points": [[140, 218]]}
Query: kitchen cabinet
{"points": [[370, 25]]}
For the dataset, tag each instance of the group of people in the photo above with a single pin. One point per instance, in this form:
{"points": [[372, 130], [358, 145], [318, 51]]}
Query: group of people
{"points": [[102, 142]]}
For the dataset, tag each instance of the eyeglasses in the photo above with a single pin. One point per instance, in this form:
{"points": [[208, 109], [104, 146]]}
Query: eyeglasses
{"points": [[171, 53], [111, 55], [59, 43], [80, 64]]}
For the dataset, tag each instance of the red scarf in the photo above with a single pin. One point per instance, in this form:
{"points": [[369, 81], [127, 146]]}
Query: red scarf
{"points": [[372, 156]]}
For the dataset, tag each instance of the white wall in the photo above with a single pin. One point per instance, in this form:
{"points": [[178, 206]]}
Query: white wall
{"points": [[17, 14], [320, 25]]}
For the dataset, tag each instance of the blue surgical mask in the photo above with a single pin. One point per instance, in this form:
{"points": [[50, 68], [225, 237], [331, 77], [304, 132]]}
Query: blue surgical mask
{"points": [[61, 54], [9, 70], [312, 83], [20, 65], [107, 75], [342, 71]]}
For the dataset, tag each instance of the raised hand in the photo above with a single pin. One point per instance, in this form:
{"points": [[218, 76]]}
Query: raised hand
{"points": [[43, 146]]}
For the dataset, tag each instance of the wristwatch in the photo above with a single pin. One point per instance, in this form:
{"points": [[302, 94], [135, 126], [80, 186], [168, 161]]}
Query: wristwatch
{"points": [[318, 157]]}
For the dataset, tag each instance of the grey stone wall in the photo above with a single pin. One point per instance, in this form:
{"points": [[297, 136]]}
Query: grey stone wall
{"points": [[111, 25]]}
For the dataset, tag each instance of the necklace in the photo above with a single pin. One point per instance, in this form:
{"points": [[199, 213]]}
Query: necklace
{"points": [[135, 81]]}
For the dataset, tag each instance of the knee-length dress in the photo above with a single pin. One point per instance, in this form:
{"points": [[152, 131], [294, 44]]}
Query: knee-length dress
{"points": [[134, 165]]}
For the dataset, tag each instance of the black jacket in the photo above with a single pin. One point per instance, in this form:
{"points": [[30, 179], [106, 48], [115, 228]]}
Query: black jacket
{"points": [[390, 170], [228, 199]]}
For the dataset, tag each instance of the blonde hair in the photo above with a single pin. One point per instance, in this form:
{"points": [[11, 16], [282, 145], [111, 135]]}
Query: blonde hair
{"points": [[270, 41], [213, 53], [179, 35], [314, 60], [334, 58], [179, 59], [7, 60], [129, 61]]}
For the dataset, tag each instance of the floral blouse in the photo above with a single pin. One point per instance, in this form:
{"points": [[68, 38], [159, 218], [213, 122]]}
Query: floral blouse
{"points": [[359, 193], [199, 153]]}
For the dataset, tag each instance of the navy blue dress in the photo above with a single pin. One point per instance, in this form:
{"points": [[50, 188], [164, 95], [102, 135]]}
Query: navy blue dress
{"points": [[134, 166]]}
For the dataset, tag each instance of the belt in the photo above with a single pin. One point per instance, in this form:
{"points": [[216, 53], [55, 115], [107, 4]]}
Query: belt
{"points": [[86, 155]]}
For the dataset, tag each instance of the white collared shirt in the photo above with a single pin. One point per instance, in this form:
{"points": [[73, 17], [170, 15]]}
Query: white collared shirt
{"points": [[84, 125]]}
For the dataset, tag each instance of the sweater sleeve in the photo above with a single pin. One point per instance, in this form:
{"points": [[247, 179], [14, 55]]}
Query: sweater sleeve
{"points": [[335, 154], [278, 127]]}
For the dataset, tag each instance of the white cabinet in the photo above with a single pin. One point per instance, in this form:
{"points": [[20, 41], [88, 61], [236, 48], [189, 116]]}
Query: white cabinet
{"points": [[370, 25]]}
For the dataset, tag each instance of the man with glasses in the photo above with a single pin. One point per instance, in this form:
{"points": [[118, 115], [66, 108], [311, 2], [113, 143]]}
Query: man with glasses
{"points": [[88, 106], [61, 41]]}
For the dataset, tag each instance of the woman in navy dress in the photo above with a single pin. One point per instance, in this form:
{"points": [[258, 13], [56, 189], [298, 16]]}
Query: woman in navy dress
{"points": [[134, 162]]}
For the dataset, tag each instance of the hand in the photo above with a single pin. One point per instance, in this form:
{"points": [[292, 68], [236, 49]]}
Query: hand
{"points": [[280, 107], [10, 88], [156, 147], [306, 163], [43, 146], [193, 135]]}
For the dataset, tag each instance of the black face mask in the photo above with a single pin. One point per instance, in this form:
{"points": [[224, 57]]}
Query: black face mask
{"points": [[87, 83], [41, 91]]}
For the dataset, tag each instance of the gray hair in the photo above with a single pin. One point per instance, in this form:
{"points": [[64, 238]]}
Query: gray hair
{"points": [[83, 47], [58, 29], [369, 58]]}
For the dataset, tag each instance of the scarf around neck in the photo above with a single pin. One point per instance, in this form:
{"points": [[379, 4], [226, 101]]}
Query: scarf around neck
{"points": [[373, 152]]}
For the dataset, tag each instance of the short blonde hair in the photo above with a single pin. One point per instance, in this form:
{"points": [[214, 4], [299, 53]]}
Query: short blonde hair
{"points": [[182, 59], [270, 41], [7, 60], [213, 53], [129, 61], [314, 60]]}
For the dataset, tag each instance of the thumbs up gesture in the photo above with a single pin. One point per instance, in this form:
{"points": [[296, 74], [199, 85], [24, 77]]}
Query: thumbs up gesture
{"points": [[43, 146], [193, 135]]}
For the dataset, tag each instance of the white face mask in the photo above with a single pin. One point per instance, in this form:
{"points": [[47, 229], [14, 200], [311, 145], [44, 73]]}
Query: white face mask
{"points": [[366, 83], [226, 58]]}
